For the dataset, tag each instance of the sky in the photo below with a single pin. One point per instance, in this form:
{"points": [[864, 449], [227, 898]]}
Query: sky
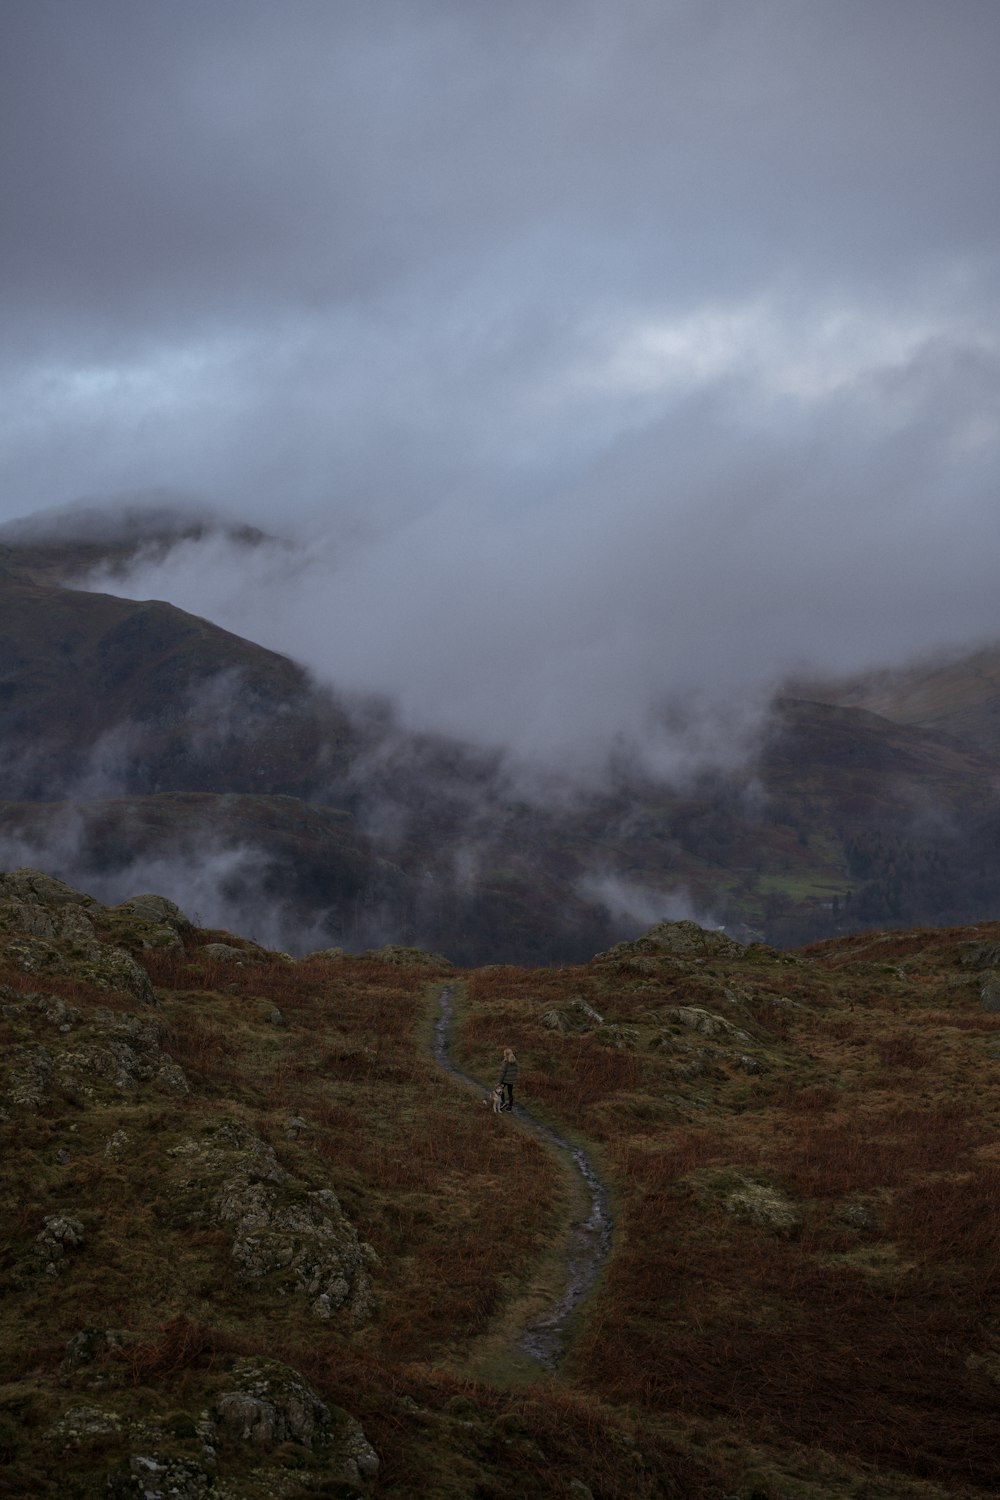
{"points": [[598, 359]]}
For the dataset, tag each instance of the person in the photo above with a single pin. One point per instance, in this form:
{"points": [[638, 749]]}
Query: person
{"points": [[508, 1077]]}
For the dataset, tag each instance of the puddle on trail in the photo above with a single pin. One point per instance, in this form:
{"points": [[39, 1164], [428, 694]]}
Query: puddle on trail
{"points": [[546, 1338]]}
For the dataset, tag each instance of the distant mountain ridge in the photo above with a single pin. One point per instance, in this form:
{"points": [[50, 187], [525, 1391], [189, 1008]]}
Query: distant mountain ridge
{"points": [[957, 694], [135, 735]]}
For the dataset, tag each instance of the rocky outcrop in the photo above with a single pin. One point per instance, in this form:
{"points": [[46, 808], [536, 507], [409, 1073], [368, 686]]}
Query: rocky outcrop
{"points": [[301, 1240], [269, 1404], [684, 940], [86, 1056], [46, 927]]}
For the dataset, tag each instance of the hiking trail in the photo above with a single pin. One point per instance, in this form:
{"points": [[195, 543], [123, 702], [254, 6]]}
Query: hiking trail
{"points": [[546, 1336]]}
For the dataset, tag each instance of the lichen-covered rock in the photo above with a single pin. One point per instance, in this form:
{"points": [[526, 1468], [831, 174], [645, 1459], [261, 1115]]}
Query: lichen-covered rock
{"points": [[227, 953], [560, 1020], [156, 909], [70, 923], [26, 884], [621, 1037], [989, 994], [115, 969], [981, 955], [80, 1426], [270, 1404], [577, 1016], [157, 1476], [706, 1023], [61, 1235], [85, 1057], [302, 1239], [395, 953], [95, 963], [678, 940]]}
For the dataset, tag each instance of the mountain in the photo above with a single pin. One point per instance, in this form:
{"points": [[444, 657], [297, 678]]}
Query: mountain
{"points": [[141, 744], [259, 1241], [958, 695]]}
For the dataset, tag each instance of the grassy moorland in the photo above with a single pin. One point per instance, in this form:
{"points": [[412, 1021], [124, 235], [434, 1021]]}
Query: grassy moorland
{"points": [[257, 1244]]}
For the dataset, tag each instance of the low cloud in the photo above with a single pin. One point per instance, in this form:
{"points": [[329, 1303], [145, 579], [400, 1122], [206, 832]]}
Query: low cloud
{"points": [[655, 599], [217, 883], [636, 907]]}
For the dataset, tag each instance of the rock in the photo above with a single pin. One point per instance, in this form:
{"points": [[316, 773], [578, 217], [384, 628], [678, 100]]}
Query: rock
{"points": [[153, 1476], [981, 955], [395, 953], [60, 1235], [154, 909], [989, 994], [684, 940], [226, 953], [271, 1404], [295, 1126], [747, 1198], [587, 1012], [275, 1018], [95, 963], [111, 1050], [559, 1020], [26, 884], [619, 1036], [81, 1426], [303, 1240], [117, 1144], [706, 1023]]}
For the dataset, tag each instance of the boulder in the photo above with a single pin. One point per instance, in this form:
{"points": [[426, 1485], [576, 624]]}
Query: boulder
{"points": [[303, 1241], [707, 1023], [40, 889], [154, 909], [678, 940], [270, 1404], [989, 994], [981, 955]]}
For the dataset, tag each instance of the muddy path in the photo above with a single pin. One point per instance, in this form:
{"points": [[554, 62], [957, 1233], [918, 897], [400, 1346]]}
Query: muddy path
{"points": [[545, 1337]]}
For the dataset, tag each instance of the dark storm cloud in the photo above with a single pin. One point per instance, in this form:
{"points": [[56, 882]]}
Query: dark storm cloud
{"points": [[617, 351]]}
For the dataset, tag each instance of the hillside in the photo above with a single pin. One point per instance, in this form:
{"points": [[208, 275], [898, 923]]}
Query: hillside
{"points": [[958, 695], [259, 1244], [139, 742]]}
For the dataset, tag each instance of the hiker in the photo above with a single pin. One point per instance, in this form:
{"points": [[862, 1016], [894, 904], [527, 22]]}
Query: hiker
{"points": [[508, 1077]]}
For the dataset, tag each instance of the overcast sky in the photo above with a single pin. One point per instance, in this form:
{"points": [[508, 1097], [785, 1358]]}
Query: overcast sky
{"points": [[596, 352]]}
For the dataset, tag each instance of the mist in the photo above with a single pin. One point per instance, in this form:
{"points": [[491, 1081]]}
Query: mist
{"points": [[594, 370]]}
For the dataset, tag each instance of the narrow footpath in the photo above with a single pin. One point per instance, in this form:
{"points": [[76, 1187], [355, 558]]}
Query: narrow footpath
{"points": [[546, 1337]]}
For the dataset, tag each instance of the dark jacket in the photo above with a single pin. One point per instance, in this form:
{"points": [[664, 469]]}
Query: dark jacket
{"points": [[508, 1073]]}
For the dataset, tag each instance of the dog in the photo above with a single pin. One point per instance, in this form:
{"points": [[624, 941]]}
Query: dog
{"points": [[495, 1098]]}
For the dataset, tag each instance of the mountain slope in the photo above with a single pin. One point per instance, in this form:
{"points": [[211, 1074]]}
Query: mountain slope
{"points": [[958, 695], [117, 715], [254, 1234]]}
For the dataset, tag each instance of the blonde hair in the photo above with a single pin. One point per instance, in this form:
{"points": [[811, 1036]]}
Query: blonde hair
{"points": [[508, 1055]]}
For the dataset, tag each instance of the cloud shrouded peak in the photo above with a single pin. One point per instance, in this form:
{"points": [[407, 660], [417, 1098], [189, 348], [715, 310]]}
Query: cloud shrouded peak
{"points": [[597, 359]]}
